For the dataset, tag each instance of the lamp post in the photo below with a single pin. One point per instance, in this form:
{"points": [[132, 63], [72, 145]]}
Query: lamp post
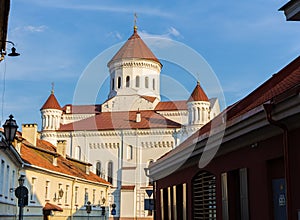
{"points": [[10, 129], [22, 195], [13, 50]]}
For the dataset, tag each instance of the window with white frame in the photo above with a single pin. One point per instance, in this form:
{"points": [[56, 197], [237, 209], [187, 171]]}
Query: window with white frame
{"points": [[7, 183], [32, 189], [76, 195], [47, 191], [67, 194]]}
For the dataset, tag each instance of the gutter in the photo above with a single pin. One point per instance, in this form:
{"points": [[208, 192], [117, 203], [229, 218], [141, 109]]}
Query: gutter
{"points": [[268, 109]]}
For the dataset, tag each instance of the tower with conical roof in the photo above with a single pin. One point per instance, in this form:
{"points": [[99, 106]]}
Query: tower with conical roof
{"points": [[51, 113], [134, 77], [198, 107]]}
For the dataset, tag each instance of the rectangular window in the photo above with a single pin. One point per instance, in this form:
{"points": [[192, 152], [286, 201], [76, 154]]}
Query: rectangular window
{"points": [[60, 193], [94, 196], [13, 179], [76, 195], [47, 191], [67, 194], [86, 196], [129, 152], [32, 189], [7, 181]]}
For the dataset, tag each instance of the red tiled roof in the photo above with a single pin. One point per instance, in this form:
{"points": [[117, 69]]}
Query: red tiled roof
{"points": [[41, 157], [286, 79], [198, 94], [51, 207], [121, 120], [83, 109], [51, 103], [134, 47], [128, 187], [149, 98], [171, 105]]}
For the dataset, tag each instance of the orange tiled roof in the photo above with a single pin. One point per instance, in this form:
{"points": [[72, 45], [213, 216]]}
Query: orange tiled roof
{"points": [[198, 94], [149, 98], [171, 106], [42, 156], [283, 81], [51, 103], [134, 47], [121, 120]]}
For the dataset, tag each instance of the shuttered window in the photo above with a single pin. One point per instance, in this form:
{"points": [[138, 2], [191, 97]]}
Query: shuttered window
{"points": [[204, 196]]}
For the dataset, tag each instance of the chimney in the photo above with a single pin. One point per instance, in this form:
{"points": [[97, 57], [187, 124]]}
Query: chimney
{"points": [[29, 132], [138, 116], [54, 162], [61, 147]]}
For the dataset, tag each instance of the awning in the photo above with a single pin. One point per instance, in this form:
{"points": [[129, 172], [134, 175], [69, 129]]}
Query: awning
{"points": [[51, 207]]}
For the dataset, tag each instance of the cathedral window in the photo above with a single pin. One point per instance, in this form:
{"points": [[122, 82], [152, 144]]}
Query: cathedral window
{"points": [[127, 81], [119, 82], [153, 84], [147, 82], [113, 84], [78, 153], [129, 152], [98, 168], [110, 172], [137, 81]]}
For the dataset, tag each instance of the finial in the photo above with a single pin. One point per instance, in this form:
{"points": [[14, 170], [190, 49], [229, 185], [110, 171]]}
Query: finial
{"points": [[135, 20], [52, 89], [198, 82]]}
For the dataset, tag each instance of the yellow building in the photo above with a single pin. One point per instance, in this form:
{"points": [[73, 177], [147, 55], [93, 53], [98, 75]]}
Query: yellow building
{"points": [[59, 187]]}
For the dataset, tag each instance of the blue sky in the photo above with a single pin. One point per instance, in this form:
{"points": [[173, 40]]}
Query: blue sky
{"points": [[244, 42]]}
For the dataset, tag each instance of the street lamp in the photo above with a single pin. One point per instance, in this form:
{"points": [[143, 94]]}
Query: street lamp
{"points": [[10, 128], [13, 50]]}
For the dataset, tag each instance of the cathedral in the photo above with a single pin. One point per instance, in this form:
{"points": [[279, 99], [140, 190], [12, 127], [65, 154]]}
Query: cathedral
{"points": [[130, 130]]}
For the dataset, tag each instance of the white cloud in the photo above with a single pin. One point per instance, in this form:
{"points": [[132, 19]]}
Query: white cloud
{"points": [[31, 28]]}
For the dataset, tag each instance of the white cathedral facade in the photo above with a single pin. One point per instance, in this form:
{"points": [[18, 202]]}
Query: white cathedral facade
{"points": [[131, 129]]}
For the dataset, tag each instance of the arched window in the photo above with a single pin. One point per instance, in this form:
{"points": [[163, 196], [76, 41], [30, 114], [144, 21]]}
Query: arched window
{"points": [[98, 169], [78, 153], [204, 186], [113, 84], [119, 82], [153, 84], [137, 81], [198, 111], [110, 172], [127, 81], [146, 82]]}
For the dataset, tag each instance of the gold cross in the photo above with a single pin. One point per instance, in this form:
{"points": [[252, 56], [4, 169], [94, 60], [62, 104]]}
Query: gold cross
{"points": [[135, 19], [52, 90]]}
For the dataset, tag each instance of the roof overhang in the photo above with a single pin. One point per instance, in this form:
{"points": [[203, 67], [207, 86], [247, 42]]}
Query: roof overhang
{"points": [[292, 10], [4, 13], [243, 131]]}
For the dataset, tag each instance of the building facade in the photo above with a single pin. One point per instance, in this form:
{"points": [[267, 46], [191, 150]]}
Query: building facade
{"points": [[131, 129], [254, 174]]}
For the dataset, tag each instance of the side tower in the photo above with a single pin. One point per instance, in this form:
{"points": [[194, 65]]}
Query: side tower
{"points": [[134, 77], [198, 109], [51, 113]]}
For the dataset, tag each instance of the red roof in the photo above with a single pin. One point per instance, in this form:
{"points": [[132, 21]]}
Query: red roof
{"points": [[121, 120], [281, 82], [83, 109], [171, 106], [198, 94], [49, 206], [134, 47], [42, 156], [51, 103]]}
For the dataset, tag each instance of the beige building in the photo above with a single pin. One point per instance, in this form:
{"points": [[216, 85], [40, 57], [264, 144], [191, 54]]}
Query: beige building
{"points": [[59, 187]]}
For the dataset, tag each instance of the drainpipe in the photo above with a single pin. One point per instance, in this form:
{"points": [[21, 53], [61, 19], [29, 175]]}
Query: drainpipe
{"points": [[268, 109]]}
